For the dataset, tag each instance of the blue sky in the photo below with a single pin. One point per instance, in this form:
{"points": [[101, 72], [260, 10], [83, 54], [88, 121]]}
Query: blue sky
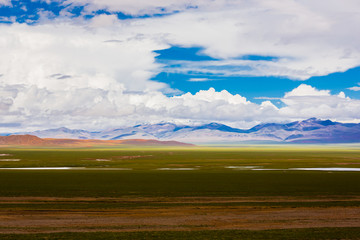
{"points": [[100, 64]]}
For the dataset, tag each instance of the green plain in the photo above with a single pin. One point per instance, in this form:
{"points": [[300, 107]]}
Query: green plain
{"points": [[211, 176]]}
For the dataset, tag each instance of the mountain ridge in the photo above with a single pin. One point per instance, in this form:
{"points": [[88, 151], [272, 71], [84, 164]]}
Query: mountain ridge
{"points": [[311, 130]]}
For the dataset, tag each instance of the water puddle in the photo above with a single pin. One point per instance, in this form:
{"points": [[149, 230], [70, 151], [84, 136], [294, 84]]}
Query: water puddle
{"points": [[270, 169], [311, 169], [328, 169], [176, 169], [242, 167]]}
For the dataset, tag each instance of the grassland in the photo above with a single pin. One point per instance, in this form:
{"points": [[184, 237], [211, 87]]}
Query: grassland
{"points": [[174, 193], [206, 158]]}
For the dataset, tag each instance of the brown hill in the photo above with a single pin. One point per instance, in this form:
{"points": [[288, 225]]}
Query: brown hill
{"points": [[21, 140], [30, 140]]}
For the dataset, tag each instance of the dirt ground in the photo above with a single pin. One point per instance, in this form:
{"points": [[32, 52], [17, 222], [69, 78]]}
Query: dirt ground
{"points": [[165, 215]]}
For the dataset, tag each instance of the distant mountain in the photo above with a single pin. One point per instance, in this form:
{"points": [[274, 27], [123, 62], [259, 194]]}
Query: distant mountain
{"points": [[308, 131], [30, 140], [311, 131], [62, 133]]}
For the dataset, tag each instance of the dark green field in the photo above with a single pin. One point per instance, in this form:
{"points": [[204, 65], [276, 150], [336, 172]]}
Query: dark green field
{"points": [[97, 183], [208, 159], [197, 192]]}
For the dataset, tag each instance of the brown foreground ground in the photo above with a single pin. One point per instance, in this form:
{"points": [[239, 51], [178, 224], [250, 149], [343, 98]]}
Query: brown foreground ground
{"points": [[46, 215]]}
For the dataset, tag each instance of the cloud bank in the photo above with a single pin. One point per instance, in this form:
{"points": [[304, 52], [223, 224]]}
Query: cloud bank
{"points": [[94, 108]]}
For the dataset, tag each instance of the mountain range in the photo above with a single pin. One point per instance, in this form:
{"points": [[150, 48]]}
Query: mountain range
{"points": [[308, 131]]}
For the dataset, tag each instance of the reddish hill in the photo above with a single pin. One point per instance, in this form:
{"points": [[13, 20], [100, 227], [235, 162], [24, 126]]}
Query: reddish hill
{"points": [[21, 140], [30, 140]]}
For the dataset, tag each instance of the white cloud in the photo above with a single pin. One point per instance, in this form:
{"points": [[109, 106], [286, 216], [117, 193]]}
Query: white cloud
{"points": [[94, 108], [211, 95], [5, 2], [32, 54], [294, 30], [104, 20], [306, 101], [355, 88], [306, 90], [311, 38]]}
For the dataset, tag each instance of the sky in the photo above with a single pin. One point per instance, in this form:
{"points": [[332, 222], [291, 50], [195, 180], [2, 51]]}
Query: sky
{"points": [[101, 64]]}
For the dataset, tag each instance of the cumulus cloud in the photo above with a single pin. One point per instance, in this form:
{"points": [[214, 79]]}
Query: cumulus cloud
{"points": [[306, 90], [306, 101], [94, 108], [97, 108]]}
